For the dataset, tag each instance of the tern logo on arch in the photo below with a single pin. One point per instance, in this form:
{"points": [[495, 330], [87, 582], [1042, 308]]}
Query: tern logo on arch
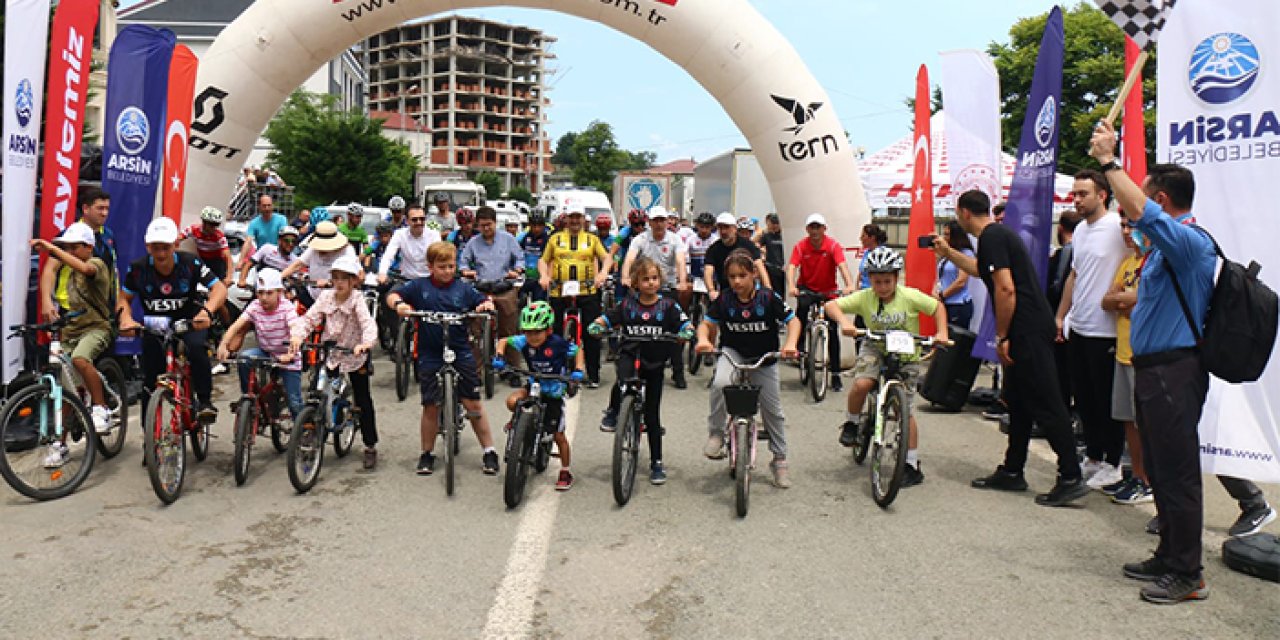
{"points": [[801, 113], [1223, 68]]}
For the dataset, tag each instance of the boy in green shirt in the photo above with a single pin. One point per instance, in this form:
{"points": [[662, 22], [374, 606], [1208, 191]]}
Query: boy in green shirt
{"points": [[885, 306]]}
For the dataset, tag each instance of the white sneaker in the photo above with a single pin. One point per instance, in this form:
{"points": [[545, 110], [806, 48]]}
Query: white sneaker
{"points": [[101, 419], [219, 369], [1090, 467], [57, 455], [715, 447], [1106, 475]]}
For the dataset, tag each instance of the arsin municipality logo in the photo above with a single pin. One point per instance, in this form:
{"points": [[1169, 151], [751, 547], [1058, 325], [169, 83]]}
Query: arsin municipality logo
{"points": [[1047, 121], [133, 131], [24, 103], [1223, 68]]}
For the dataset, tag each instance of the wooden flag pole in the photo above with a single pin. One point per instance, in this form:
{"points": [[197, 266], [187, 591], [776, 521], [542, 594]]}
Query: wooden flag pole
{"points": [[1129, 82]]}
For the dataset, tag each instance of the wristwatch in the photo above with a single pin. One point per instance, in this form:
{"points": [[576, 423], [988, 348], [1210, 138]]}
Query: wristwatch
{"points": [[1108, 166], [1001, 340]]}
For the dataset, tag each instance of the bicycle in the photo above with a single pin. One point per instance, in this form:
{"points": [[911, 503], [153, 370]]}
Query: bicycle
{"points": [[742, 403], [387, 320], [814, 365], [526, 445], [452, 412], [697, 311], [626, 437], [887, 415], [405, 355], [42, 415], [170, 418], [262, 402], [329, 409], [483, 338]]}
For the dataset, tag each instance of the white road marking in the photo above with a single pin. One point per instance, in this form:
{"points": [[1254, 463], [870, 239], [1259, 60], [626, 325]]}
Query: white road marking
{"points": [[512, 613]]}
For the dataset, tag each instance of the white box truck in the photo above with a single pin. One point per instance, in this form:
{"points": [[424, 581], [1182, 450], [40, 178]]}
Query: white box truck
{"points": [[733, 182], [553, 201]]}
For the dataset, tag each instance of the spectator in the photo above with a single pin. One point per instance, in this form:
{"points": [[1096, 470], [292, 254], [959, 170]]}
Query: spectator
{"points": [[1120, 299], [265, 229], [953, 282], [1059, 269], [775, 253], [872, 236]]}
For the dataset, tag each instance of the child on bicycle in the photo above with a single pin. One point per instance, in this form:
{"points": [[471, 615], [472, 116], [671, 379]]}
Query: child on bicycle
{"points": [[547, 353], [642, 314], [886, 306], [747, 324], [442, 291], [346, 321], [269, 316]]}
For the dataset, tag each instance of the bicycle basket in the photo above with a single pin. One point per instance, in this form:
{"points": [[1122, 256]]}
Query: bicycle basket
{"points": [[742, 400]]}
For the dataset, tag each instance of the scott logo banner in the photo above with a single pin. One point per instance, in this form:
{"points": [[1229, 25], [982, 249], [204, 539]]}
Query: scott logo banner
{"points": [[1218, 97], [72, 47], [133, 138]]}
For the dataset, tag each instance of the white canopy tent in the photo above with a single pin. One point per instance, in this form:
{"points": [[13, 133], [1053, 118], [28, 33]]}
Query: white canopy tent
{"points": [[887, 175]]}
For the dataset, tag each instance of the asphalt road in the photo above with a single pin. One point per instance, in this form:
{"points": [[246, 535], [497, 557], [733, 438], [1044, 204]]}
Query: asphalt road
{"points": [[386, 554]]}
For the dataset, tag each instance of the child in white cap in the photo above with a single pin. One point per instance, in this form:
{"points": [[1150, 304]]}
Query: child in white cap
{"points": [[269, 317]]}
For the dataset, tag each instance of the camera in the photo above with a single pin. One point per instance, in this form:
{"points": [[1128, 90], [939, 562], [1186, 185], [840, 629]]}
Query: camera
{"points": [[925, 242]]}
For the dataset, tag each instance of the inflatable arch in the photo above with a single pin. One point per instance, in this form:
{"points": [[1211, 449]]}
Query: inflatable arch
{"points": [[725, 45]]}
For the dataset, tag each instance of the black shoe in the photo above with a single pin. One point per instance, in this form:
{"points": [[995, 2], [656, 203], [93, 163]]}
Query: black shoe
{"points": [[680, 381], [848, 434], [1001, 480], [912, 476], [1172, 588], [1252, 521], [1153, 526], [1148, 570], [1063, 493], [490, 463], [426, 464], [206, 412], [836, 385], [593, 384]]}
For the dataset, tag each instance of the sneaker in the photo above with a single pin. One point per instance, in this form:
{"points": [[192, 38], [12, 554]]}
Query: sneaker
{"points": [[206, 412], [489, 463], [219, 369], [56, 456], [426, 464], [1001, 480], [714, 448], [1148, 570], [592, 384], [1063, 493], [781, 476], [1116, 488], [1252, 521], [1089, 467], [370, 458], [836, 384], [1136, 493], [565, 481], [657, 475], [1106, 475], [1153, 526], [912, 476], [848, 434], [995, 410], [680, 382], [1172, 588], [101, 419], [609, 423]]}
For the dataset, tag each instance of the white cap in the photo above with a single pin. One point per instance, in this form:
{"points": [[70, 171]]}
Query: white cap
{"points": [[815, 218], [346, 264], [161, 230], [79, 233], [269, 280], [659, 212], [727, 218]]}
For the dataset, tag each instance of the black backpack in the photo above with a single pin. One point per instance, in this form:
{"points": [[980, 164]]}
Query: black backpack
{"points": [[1240, 325]]}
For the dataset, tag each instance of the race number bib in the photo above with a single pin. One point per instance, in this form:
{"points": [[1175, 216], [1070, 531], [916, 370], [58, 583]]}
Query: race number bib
{"points": [[900, 342], [571, 288], [699, 285], [371, 280]]}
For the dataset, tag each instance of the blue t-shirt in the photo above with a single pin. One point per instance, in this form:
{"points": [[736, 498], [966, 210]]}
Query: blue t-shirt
{"points": [[533, 246], [623, 239], [554, 357], [948, 272], [265, 233], [458, 297]]}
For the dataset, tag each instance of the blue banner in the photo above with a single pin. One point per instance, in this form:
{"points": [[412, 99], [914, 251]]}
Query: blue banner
{"points": [[137, 90]]}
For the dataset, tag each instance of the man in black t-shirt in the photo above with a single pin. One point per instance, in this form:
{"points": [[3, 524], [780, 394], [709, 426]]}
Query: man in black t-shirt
{"points": [[1024, 342], [713, 272], [775, 258]]}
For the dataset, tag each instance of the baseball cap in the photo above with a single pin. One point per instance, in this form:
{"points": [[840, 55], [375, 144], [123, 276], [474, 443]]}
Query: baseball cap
{"points": [[659, 212], [78, 233], [815, 218], [727, 218], [346, 264], [161, 230], [269, 280]]}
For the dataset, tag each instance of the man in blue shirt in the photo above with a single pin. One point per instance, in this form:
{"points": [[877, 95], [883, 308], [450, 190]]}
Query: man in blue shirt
{"points": [[265, 229], [1170, 382], [491, 257]]}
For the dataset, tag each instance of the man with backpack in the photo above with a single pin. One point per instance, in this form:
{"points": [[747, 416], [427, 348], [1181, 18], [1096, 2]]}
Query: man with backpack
{"points": [[1171, 376]]}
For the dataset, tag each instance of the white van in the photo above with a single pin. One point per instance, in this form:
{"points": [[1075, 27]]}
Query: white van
{"points": [[553, 202]]}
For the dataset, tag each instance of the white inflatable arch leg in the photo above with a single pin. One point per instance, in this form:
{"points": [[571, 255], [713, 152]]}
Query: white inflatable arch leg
{"points": [[725, 45]]}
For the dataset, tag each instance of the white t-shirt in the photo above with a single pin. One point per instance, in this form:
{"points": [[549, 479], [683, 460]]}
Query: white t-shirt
{"points": [[319, 265], [1098, 251], [663, 252], [412, 251]]}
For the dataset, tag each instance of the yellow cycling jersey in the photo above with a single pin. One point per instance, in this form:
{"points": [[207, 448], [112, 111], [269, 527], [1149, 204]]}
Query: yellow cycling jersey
{"points": [[572, 257]]}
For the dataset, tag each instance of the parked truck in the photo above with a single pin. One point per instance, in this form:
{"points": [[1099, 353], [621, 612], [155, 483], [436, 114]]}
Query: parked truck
{"points": [[640, 191], [461, 191], [733, 182]]}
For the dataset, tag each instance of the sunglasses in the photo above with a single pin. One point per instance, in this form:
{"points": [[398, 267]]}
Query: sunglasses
{"points": [[417, 220]]}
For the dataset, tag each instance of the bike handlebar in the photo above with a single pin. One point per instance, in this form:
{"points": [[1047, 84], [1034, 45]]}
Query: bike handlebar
{"points": [[661, 337], [539, 376], [448, 317], [53, 325], [925, 341], [765, 360]]}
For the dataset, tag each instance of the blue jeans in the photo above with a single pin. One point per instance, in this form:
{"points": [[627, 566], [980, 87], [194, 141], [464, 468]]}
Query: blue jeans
{"points": [[292, 381]]}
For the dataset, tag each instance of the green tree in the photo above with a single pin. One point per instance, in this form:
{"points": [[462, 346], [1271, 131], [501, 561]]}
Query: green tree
{"points": [[331, 155], [564, 156], [1093, 71], [522, 194], [492, 184]]}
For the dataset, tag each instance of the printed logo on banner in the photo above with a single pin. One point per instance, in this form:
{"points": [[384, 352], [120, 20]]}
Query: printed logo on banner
{"points": [[643, 194], [24, 103], [801, 115], [1223, 68], [22, 147], [980, 177], [132, 130], [1046, 122], [207, 115]]}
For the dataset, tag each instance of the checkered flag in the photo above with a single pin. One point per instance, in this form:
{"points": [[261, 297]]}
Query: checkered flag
{"points": [[1142, 20]]}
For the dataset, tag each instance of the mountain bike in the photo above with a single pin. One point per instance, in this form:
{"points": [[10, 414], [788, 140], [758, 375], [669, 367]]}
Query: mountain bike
{"points": [[406, 355], [170, 418], [626, 437], [263, 405], [49, 442], [815, 340], [742, 403], [329, 410], [528, 443], [571, 328], [886, 419], [482, 336]]}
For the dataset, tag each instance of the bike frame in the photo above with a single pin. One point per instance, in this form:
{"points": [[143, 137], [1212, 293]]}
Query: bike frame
{"points": [[177, 381]]}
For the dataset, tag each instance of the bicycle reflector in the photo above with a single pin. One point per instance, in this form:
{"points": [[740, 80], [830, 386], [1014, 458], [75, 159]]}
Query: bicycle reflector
{"points": [[24, 412], [742, 400]]}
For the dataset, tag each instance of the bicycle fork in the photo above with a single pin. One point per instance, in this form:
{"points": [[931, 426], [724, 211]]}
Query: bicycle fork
{"points": [[56, 397]]}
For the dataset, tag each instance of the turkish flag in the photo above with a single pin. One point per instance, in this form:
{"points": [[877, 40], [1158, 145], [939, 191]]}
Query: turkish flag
{"points": [[1134, 151], [182, 87], [921, 265]]}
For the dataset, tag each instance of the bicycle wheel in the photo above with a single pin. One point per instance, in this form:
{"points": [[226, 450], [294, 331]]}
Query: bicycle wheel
{"points": [[571, 329], [449, 425], [281, 423], [816, 362], [746, 431], [27, 415], [486, 359], [115, 388], [517, 458], [890, 455], [243, 439], [164, 446], [625, 451], [542, 453], [806, 358], [867, 424], [695, 358], [306, 449], [343, 419], [403, 354]]}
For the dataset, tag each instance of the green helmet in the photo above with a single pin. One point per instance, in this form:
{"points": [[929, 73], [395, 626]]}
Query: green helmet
{"points": [[537, 316]]}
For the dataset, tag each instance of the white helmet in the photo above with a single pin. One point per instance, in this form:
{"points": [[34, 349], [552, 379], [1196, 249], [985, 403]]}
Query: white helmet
{"points": [[355, 209], [396, 203], [211, 214], [883, 260]]}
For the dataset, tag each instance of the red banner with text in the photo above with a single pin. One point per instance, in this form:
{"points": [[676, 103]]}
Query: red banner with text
{"points": [[70, 56], [182, 84]]}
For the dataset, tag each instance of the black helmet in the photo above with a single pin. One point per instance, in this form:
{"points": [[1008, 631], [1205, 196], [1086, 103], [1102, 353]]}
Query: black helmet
{"points": [[705, 218]]}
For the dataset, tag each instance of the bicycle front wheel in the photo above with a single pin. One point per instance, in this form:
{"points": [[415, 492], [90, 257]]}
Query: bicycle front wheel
{"points": [[519, 441], [449, 425], [816, 361], [889, 457], [243, 439], [746, 435], [695, 358], [625, 451], [115, 388], [806, 358], [866, 424], [199, 438], [344, 420], [34, 459], [404, 368], [486, 359], [164, 446], [306, 450]]}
